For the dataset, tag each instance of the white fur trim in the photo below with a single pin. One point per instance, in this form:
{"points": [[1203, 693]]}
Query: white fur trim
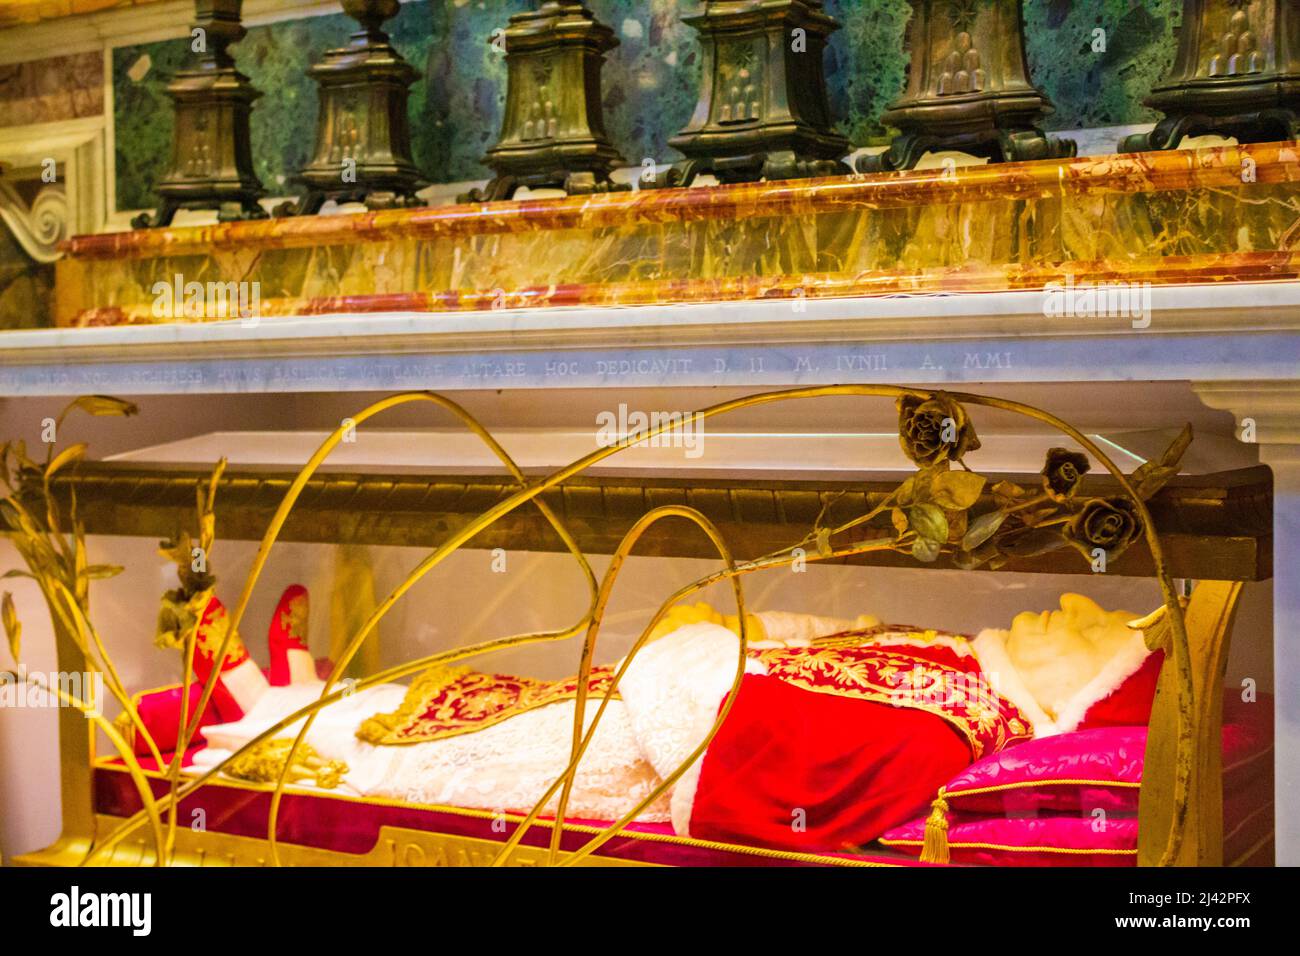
{"points": [[990, 648], [1121, 666]]}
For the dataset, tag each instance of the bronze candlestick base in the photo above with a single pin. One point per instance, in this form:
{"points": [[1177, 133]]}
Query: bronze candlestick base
{"points": [[1237, 73], [211, 162], [363, 136], [763, 112], [553, 133], [968, 89]]}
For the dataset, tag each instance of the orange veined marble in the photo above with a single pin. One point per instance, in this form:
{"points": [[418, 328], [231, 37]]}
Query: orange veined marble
{"points": [[1225, 214]]}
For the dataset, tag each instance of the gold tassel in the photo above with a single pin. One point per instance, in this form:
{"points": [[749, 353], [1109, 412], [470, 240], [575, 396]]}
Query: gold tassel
{"points": [[935, 848]]}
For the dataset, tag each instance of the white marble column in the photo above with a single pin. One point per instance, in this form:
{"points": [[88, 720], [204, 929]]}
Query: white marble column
{"points": [[1269, 412]]}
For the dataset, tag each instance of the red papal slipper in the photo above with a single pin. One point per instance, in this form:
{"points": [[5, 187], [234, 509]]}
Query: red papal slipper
{"points": [[291, 660], [241, 682]]}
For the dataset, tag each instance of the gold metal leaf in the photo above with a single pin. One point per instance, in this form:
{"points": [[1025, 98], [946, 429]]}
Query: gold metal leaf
{"points": [[1151, 476], [929, 522], [102, 405], [982, 528], [1157, 630], [956, 490], [13, 627], [70, 454]]}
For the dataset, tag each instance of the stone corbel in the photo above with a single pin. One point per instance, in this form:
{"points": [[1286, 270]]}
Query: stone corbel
{"points": [[1267, 413], [40, 226], [73, 204]]}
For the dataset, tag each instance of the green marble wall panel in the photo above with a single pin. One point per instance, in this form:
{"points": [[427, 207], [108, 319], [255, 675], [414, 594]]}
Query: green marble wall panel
{"points": [[650, 81], [466, 79], [866, 64], [1105, 88]]}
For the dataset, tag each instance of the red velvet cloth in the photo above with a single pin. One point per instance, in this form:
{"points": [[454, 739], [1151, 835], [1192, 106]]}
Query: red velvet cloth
{"points": [[352, 826], [799, 770]]}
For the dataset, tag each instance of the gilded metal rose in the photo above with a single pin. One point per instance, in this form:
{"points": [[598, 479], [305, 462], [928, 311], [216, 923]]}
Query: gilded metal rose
{"points": [[934, 430], [1111, 524], [1063, 472]]}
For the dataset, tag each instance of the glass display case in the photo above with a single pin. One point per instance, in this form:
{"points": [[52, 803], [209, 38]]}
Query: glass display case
{"points": [[438, 575], [939, 515]]}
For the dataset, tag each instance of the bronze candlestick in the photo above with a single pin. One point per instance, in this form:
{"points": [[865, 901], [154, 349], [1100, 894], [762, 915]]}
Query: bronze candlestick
{"points": [[763, 111], [1237, 73], [968, 88], [553, 131], [363, 136], [211, 160]]}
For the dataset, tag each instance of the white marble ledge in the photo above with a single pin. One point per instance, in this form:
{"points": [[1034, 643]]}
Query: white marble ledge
{"points": [[1239, 331], [1224, 307]]}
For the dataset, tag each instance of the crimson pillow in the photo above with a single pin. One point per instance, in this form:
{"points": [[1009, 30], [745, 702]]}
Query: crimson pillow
{"points": [[160, 712]]}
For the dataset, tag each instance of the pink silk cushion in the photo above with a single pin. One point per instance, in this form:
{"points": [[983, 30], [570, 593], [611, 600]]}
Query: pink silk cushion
{"points": [[1040, 841], [160, 712], [1099, 839], [1080, 771], [1072, 799], [1099, 768]]}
